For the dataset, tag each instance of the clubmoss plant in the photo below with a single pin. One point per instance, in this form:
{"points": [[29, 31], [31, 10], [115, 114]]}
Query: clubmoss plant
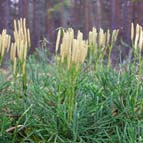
{"points": [[93, 56], [19, 50], [5, 40], [73, 52], [99, 42], [137, 45]]}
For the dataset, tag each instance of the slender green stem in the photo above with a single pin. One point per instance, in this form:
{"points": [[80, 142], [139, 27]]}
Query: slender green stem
{"points": [[109, 55], [71, 99]]}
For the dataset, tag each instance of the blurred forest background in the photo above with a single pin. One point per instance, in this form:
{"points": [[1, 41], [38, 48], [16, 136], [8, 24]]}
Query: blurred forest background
{"points": [[45, 16]]}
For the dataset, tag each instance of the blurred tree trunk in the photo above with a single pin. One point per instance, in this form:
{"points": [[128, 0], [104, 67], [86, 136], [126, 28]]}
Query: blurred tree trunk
{"points": [[116, 14], [62, 14], [34, 30], [93, 12], [138, 12], [87, 16], [131, 13], [1, 16], [77, 14], [142, 12], [126, 21], [98, 13], [23, 8], [7, 14], [125, 13], [38, 22], [107, 14], [49, 21], [113, 14]]}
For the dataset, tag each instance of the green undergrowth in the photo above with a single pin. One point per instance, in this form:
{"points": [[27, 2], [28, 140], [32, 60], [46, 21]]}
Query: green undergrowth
{"points": [[108, 105]]}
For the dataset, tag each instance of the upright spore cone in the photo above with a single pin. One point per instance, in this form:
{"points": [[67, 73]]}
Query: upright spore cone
{"points": [[73, 50], [5, 41]]}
